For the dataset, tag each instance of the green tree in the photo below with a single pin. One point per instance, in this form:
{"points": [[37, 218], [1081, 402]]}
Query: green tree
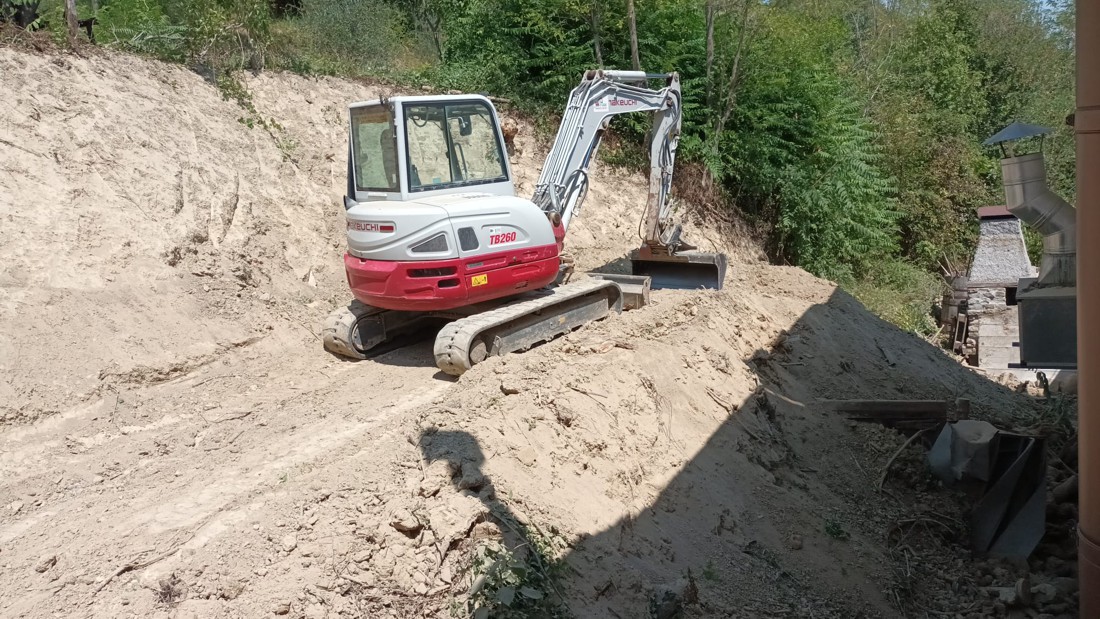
{"points": [[800, 157]]}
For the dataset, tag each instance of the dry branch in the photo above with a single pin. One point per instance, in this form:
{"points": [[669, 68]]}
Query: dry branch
{"points": [[890, 462]]}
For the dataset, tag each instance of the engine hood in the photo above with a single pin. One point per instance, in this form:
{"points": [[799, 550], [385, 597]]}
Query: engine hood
{"points": [[390, 230], [462, 201]]}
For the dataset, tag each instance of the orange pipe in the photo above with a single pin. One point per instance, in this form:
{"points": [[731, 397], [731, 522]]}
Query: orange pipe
{"points": [[1087, 128]]}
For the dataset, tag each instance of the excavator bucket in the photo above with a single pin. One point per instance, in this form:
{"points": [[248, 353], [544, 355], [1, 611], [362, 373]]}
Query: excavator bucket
{"points": [[687, 270]]}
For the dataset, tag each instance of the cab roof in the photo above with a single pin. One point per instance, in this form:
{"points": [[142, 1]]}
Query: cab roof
{"points": [[423, 99]]}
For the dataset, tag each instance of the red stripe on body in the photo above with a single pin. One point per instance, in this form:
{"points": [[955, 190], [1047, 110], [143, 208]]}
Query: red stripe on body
{"points": [[393, 285]]}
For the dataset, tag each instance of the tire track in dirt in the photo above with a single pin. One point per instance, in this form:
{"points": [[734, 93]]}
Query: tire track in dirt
{"points": [[294, 420]]}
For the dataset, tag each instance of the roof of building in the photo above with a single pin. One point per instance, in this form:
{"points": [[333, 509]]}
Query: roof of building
{"points": [[993, 212]]}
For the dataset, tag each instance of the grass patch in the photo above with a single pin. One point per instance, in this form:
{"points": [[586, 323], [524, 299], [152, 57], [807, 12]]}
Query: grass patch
{"points": [[835, 531], [901, 294]]}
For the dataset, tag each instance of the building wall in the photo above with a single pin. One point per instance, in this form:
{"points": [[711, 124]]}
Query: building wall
{"points": [[981, 301]]}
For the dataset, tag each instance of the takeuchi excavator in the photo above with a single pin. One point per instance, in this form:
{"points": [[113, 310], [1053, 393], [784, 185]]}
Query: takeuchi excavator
{"points": [[435, 230]]}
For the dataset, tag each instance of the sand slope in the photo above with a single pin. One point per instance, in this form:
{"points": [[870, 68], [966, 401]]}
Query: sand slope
{"points": [[175, 442]]}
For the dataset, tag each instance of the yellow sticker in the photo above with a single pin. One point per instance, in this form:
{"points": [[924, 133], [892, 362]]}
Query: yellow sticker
{"points": [[479, 280]]}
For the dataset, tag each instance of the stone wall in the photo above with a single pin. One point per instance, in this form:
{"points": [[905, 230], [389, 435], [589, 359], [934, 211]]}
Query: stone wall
{"points": [[983, 306], [981, 301], [1000, 260], [990, 318]]}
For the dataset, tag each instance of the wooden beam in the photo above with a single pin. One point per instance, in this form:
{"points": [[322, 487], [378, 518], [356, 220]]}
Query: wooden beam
{"points": [[888, 407], [898, 414]]}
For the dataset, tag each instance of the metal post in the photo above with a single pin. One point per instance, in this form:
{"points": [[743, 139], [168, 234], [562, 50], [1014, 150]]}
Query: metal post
{"points": [[1087, 127]]}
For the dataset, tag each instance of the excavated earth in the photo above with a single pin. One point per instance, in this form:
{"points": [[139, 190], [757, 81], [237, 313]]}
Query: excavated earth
{"points": [[174, 442]]}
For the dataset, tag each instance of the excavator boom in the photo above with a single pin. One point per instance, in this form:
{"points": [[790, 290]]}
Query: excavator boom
{"points": [[563, 183]]}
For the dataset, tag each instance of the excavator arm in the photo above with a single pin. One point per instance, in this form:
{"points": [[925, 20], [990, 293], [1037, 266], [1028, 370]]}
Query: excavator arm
{"points": [[563, 183], [601, 95]]}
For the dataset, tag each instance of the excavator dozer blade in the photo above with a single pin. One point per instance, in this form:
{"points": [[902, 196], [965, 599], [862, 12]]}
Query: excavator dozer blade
{"points": [[687, 270]]}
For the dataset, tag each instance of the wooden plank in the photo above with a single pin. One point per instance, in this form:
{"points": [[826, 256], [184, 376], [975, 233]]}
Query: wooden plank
{"points": [[891, 407], [898, 414], [891, 421], [914, 425], [894, 422], [958, 339]]}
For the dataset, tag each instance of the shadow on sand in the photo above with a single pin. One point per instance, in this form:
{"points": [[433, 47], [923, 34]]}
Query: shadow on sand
{"points": [[778, 513]]}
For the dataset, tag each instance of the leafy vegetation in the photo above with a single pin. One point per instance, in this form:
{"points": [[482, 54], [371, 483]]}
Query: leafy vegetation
{"points": [[834, 530], [517, 580], [848, 131], [213, 35], [901, 293]]}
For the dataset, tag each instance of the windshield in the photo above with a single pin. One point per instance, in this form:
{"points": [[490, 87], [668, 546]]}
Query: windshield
{"points": [[374, 148], [452, 145]]}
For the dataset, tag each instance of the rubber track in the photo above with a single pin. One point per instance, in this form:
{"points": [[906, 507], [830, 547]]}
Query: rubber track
{"points": [[339, 327], [452, 345]]}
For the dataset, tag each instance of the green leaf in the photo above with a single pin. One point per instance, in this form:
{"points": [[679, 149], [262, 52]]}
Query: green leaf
{"points": [[530, 593], [506, 595], [482, 613], [478, 583]]}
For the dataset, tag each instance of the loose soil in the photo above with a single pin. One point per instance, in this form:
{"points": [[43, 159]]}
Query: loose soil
{"points": [[174, 441]]}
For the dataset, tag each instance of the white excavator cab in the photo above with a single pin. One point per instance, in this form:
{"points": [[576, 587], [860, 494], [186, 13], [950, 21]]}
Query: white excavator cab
{"points": [[408, 148]]}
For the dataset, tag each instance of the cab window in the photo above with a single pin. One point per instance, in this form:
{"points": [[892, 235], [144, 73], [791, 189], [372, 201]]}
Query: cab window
{"points": [[452, 145], [374, 148]]}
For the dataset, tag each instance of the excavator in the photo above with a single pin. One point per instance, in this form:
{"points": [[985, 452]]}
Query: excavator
{"points": [[435, 229]]}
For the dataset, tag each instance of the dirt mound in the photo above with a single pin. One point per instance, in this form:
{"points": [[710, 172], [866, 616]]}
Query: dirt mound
{"points": [[177, 444], [144, 227]]}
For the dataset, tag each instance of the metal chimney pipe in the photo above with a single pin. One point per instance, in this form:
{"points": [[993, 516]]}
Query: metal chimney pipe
{"points": [[1087, 127], [1028, 197]]}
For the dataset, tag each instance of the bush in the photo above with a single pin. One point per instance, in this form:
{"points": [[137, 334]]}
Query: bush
{"points": [[800, 158], [225, 34], [902, 294], [344, 37], [217, 35], [141, 26]]}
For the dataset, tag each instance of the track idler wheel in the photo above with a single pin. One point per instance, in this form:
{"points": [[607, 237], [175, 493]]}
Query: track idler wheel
{"points": [[341, 331]]}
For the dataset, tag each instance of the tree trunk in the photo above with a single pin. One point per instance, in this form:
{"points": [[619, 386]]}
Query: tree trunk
{"points": [[635, 62], [70, 21], [731, 96], [435, 29], [596, 33], [710, 51], [430, 22]]}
